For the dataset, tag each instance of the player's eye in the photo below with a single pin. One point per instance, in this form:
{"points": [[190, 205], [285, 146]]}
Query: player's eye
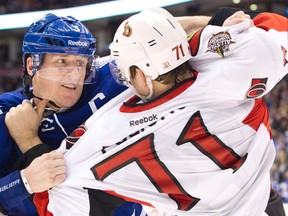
{"points": [[80, 63], [61, 61]]}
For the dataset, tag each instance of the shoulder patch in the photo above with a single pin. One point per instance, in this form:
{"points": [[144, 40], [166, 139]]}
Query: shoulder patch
{"points": [[219, 43], [258, 87]]}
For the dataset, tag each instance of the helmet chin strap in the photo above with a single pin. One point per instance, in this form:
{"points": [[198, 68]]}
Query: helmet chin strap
{"points": [[49, 110], [29, 93]]}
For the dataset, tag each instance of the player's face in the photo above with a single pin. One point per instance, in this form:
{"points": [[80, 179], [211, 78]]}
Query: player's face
{"points": [[60, 79]]}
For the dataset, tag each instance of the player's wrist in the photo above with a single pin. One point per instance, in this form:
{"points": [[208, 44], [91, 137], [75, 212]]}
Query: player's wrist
{"points": [[25, 181], [27, 144]]}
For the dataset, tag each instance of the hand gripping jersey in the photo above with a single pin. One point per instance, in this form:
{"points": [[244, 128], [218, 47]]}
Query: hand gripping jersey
{"points": [[202, 148], [53, 129]]}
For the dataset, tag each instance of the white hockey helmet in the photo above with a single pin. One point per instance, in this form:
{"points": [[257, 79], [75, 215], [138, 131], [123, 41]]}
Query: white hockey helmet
{"points": [[151, 40]]}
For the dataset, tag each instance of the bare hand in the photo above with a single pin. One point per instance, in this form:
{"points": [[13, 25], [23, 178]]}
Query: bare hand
{"points": [[23, 122], [237, 18], [46, 171]]}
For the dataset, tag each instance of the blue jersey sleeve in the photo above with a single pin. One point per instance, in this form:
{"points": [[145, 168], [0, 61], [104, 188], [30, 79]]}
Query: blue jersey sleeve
{"points": [[130, 208], [12, 191]]}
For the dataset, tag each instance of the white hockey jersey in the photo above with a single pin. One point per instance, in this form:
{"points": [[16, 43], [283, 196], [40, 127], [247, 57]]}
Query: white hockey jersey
{"points": [[202, 148]]}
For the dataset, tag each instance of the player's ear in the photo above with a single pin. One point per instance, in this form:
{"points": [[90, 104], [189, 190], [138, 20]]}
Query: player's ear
{"points": [[29, 64], [139, 78], [139, 82], [141, 75]]}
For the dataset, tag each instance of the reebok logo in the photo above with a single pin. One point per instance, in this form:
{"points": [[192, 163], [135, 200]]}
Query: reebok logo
{"points": [[143, 120], [77, 43]]}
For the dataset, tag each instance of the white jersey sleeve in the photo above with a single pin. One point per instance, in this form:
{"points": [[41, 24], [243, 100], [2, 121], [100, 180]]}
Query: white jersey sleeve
{"points": [[240, 62]]}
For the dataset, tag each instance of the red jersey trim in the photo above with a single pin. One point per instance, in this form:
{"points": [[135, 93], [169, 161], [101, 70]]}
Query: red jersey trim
{"points": [[41, 201], [194, 42], [253, 120], [131, 106], [269, 21]]}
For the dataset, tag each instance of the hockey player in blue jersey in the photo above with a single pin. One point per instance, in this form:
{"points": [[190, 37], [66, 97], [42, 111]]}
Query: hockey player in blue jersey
{"points": [[54, 48]]}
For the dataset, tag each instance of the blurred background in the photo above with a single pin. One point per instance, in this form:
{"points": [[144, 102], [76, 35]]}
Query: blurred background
{"points": [[104, 28]]}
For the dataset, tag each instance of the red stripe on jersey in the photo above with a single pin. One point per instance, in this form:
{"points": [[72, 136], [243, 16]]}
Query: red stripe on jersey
{"points": [[131, 105], [41, 201], [254, 120], [268, 21], [222, 155], [143, 153], [195, 42]]}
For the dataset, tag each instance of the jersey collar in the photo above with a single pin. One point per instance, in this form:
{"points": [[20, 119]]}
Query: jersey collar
{"points": [[133, 106]]}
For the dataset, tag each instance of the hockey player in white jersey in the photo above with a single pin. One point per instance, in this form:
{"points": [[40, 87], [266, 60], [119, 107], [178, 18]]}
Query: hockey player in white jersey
{"points": [[195, 140]]}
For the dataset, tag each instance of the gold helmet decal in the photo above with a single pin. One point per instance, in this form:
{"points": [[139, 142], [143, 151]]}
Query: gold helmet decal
{"points": [[127, 30], [219, 43]]}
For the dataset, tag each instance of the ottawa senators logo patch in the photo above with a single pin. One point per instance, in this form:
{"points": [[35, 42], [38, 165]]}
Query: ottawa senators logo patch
{"points": [[258, 87], [219, 43], [75, 135]]}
